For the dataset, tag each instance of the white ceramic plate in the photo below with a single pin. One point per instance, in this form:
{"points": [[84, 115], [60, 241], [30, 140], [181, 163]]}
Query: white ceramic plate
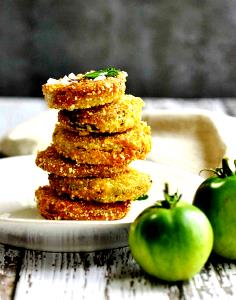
{"points": [[22, 226]]}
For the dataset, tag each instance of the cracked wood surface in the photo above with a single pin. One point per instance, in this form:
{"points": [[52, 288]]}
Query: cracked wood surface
{"points": [[111, 274]]}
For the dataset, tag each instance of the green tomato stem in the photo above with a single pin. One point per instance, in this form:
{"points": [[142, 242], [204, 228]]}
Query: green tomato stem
{"points": [[170, 200], [224, 170]]}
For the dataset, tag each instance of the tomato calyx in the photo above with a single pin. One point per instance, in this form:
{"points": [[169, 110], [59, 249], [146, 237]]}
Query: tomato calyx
{"points": [[223, 171], [170, 201]]}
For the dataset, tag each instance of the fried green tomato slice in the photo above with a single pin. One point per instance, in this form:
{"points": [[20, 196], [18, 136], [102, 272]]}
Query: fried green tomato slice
{"points": [[51, 161], [77, 91], [118, 116], [123, 187], [106, 149], [54, 207]]}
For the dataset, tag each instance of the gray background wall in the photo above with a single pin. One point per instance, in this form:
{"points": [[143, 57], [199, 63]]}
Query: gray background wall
{"points": [[178, 48]]}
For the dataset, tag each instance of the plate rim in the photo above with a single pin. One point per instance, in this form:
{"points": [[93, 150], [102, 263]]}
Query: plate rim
{"points": [[24, 232], [31, 157]]}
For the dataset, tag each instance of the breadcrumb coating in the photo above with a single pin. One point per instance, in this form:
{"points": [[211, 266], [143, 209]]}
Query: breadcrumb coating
{"points": [[99, 132], [107, 149], [54, 207], [83, 92], [123, 187], [51, 161], [117, 116]]}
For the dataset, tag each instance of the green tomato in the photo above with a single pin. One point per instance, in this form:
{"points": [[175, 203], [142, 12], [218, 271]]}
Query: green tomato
{"points": [[216, 197], [171, 242]]}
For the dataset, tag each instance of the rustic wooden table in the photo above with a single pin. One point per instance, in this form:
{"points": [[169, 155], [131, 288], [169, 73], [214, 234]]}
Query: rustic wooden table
{"points": [[110, 274]]}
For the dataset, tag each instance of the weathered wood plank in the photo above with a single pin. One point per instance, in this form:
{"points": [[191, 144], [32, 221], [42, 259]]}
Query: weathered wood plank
{"points": [[10, 260], [114, 274]]}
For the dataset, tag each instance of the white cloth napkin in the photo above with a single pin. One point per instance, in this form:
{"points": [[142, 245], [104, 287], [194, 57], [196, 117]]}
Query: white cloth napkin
{"points": [[190, 140], [29, 136]]}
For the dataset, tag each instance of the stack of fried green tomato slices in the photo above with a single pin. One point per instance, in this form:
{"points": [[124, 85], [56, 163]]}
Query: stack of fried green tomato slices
{"points": [[98, 134]]}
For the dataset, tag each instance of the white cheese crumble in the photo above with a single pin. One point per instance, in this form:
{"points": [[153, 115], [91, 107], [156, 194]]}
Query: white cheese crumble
{"points": [[52, 81], [100, 77], [125, 73], [68, 78], [72, 76], [65, 80]]}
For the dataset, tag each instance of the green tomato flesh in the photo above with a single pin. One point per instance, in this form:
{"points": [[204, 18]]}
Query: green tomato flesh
{"points": [[216, 197], [171, 244]]}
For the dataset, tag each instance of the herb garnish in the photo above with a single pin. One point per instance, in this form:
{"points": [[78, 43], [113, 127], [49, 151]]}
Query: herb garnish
{"points": [[108, 72], [143, 197]]}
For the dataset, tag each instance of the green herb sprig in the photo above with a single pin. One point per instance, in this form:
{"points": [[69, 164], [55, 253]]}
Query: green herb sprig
{"points": [[108, 72], [143, 197]]}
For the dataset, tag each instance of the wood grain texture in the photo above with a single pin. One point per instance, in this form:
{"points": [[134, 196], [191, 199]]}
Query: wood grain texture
{"points": [[113, 274], [10, 260]]}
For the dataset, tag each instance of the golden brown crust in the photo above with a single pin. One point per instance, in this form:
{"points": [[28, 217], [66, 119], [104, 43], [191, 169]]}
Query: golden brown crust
{"points": [[51, 161], [118, 116], [124, 187], [54, 207], [110, 149], [84, 92]]}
